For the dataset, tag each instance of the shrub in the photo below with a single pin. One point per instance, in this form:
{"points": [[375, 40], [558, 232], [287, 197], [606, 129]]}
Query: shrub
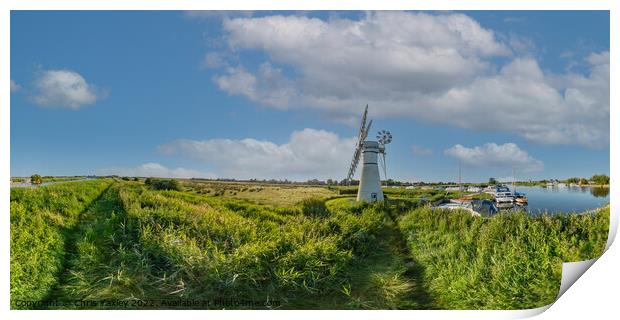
{"points": [[600, 179], [36, 179], [164, 184]]}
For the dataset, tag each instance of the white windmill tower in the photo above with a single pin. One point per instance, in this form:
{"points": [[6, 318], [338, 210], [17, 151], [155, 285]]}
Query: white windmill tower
{"points": [[370, 181]]}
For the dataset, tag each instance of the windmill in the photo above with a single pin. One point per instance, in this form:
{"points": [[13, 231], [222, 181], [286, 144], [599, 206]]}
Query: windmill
{"points": [[370, 181]]}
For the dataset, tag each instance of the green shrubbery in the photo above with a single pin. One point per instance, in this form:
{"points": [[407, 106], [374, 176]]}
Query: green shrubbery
{"points": [[508, 261], [600, 179], [36, 179], [163, 184], [40, 220], [314, 208]]}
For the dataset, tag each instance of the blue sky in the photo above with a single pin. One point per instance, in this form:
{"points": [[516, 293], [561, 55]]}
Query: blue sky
{"points": [[279, 94]]}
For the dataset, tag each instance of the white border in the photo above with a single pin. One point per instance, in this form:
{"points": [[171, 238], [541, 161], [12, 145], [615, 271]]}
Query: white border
{"points": [[594, 294]]}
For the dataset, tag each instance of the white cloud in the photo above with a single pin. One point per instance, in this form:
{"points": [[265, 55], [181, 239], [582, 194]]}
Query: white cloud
{"points": [[153, 169], [268, 86], [64, 88], [309, 153], [437, 68], [493, 155], [388, 51], [598, 58], [214, 60], [15, 87], [421, 151]]}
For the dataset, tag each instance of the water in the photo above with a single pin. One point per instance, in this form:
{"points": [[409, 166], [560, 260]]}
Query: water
{"points": [[30, 185], [558, 200]]}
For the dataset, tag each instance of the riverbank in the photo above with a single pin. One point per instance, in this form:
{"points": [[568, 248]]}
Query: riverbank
{"points": [[507, 261]]}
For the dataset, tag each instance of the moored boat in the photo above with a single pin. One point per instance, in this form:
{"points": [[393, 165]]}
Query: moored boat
{"points": [[502, 194], [520, 198]]}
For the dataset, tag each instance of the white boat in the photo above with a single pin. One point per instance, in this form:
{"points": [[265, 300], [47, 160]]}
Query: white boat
{"points": [[503, 195]]}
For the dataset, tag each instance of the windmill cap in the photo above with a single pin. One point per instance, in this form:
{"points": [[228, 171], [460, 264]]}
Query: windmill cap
{"points": [[371, 144]]}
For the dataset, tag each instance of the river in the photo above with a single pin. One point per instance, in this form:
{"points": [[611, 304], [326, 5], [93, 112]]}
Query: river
{"points": [[563, 199]]}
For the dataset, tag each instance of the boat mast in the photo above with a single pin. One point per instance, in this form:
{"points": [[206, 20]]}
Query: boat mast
{"points": [[514, 189], [460, 188]]}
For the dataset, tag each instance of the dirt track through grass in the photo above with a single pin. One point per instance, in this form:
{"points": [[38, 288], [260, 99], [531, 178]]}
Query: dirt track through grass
{"points": [[90, 229], [388, 278], [419, 293]]}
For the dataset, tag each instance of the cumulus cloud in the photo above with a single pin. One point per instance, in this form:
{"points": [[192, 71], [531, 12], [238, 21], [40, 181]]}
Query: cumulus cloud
{"points": [[494, 155], [153, 169], [388, 51], [14, 86], [214, 60], [436, 68], [309, 153], [421, 151], [64, 88], [267, 86]]}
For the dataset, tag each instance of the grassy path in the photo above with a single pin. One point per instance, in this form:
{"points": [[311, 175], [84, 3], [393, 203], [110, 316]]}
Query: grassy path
{"points": [[388, 278], [88, 249]]}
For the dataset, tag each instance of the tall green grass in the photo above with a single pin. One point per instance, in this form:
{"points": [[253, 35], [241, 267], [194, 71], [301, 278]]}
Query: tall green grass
{"points": [[171, 245], [41, 219], [508, 261], [138, 243]]}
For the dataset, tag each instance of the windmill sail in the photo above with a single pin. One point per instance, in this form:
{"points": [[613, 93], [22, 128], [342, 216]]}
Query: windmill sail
{"points": [[363, 133]]}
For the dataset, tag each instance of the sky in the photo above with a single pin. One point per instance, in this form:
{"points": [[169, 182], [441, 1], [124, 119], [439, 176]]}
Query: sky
{"points": [[274, 94]]}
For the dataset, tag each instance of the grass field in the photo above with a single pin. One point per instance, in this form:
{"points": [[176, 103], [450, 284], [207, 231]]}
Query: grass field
{"points": [[507, 261], [281, 247], [42, 222], [281, 195]]}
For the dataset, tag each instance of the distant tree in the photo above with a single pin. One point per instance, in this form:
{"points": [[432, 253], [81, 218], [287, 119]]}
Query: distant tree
{"points": [[164, 184], [583, 181], [573, 180], [600, 179], [136, 179], [36, 179], [492, 181]]}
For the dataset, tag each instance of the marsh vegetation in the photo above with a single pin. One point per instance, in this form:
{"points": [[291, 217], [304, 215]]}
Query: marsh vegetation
{"points": [[285, 247]]}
